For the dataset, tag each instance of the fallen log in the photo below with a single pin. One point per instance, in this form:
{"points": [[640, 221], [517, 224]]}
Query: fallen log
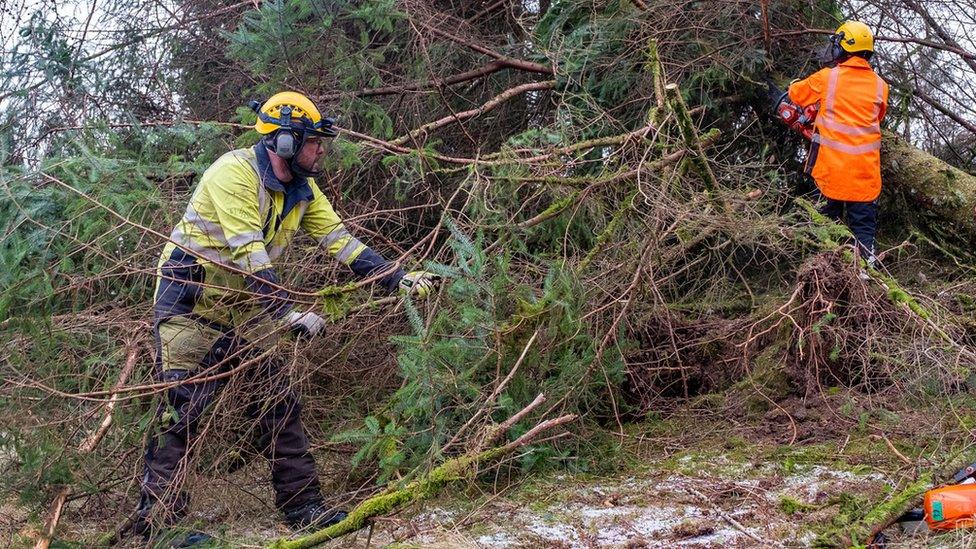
{"points": [[422, 488], [942, 190], [863, 532]]}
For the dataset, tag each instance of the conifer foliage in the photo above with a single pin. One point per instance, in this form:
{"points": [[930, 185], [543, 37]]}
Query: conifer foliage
{"points": [[613, 210]]}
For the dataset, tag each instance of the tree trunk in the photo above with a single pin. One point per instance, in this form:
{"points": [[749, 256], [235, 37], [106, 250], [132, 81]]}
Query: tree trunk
{"points": [[898, 503], [936, 187]]}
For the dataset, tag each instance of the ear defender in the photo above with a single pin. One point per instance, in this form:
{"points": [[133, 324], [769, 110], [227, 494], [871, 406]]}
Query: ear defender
{"points": [[833, 53], [284, 143], [838, 49]]}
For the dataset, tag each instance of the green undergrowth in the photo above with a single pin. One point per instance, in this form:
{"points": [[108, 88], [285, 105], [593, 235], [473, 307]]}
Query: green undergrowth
{"points": [[487, 321]]}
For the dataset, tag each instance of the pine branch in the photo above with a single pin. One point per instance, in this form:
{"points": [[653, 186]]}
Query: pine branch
{"points": [[561, 205], [420, 489], [437, 83], [461, 116], [519, 64]]}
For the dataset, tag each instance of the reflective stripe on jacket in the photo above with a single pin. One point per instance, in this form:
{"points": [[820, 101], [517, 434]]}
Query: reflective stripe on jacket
{"points": [[845, 156], [239, 220]]}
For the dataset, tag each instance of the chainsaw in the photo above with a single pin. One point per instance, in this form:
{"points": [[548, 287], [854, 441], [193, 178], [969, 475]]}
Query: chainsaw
{"points": [[945, 508], [797, 118]]}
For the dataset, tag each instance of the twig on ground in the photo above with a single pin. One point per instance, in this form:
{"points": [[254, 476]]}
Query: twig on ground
{"points": [[88, 445]]}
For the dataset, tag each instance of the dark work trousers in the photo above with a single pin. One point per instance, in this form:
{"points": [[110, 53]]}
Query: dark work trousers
{"points": [[276, 411], [860, 217]]}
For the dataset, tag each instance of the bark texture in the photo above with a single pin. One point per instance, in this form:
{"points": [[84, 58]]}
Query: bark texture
{"points": [[936, 187]]}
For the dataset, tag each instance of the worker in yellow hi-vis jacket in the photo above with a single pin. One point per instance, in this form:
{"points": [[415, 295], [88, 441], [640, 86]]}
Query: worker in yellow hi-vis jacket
{"points": [[217, 296]]}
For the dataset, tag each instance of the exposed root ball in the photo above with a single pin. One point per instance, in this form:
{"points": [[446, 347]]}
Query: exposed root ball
{"points": [[838, 321], [677, 358]]}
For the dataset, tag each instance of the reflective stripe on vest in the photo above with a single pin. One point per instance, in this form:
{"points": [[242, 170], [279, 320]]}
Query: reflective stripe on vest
{"points": [[210, 254], [846, 148], [275, 251], [829, 121], [216, 232], [345, 254], [256, 258], [328, 240]]}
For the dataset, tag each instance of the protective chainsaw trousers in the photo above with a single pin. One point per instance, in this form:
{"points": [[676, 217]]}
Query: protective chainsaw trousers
{"points": [[265, 397]]}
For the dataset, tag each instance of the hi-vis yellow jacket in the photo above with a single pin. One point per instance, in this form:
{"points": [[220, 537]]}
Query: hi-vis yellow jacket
{"points": [[220, 261]]}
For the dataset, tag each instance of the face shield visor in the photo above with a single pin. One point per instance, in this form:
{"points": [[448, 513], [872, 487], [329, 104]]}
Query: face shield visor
{"points": [[833, 53]]}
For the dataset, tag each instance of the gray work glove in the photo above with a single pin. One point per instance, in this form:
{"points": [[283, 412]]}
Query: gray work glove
{"points": [[307, 323]]}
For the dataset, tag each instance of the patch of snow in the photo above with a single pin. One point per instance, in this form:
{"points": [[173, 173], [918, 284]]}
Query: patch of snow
{"points": [[555, 532], [497, 539], [437, 515], [593, 513], [617, 512], [817, 478], [806, 540]]}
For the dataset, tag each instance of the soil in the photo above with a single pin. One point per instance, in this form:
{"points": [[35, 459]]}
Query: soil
{"points": [[742, 486]]}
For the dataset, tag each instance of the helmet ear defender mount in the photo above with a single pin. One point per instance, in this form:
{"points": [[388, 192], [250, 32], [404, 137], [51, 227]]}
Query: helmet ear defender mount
{"points": [[836, 49], [834, 53]]}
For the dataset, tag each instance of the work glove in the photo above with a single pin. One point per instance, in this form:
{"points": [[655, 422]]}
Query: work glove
{"points": [[419, 283], [304, 324]]}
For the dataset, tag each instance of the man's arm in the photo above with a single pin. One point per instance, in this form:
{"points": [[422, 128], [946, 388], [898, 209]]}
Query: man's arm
{"points": [[323, 224], [809, 90]]}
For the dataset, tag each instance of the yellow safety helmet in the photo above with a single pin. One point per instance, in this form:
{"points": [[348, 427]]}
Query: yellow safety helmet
{"points": [[854, 37], [288, 118], [297, 108]]}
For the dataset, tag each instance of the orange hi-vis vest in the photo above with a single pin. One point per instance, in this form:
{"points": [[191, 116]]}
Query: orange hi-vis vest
{"points": [[845, 156]]}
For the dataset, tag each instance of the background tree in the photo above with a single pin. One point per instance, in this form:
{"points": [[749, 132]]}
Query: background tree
{"points": [[600, 181]]}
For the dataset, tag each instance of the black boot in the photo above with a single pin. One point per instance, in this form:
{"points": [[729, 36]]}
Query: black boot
{"points": [[314, 515], [191, 538], [153, 515], [153, 520]]}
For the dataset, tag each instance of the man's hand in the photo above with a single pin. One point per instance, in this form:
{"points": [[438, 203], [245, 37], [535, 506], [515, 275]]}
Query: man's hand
{"points": [[419, 283], [307, 323]]}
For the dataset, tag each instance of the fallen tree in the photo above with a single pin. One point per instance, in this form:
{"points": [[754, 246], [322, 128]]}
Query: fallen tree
{"points": [[885, 514], [430, 484], [942, 190]]}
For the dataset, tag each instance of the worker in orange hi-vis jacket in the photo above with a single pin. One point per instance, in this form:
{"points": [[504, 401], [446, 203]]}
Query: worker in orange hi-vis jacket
{"points": [[845, 154]]}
